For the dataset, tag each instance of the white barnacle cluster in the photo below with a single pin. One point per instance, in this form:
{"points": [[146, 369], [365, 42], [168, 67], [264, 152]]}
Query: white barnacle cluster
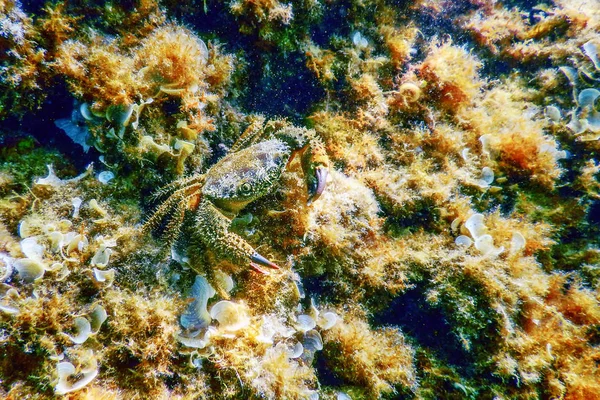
{"points": [[585, 117], [57, 247], [295, 339], [300, 340], [483, 241], [48, 247], [308, 326], [296, 342], [479, 236], [475, 226], [51, 250], [196, 321]]}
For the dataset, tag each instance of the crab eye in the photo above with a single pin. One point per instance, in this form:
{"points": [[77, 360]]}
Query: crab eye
{"points": [[245, 188]]}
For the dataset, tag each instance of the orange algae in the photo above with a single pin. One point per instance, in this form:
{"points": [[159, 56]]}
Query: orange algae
{"points": [[98, 73], [452, 74], [423, 134], [377, 361]]}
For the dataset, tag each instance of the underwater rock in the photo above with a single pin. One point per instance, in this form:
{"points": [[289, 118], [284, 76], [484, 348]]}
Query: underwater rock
{"points": [[76, 131]]}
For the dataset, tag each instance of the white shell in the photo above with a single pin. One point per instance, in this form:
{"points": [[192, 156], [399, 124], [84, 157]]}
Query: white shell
{"points": [[55, 267], [591, 50], [57, 241], [76, 202], [84, 109], [587, 97], [101, 257], [93, 204], [29, 270], [105, 176], [359, 40], [465, 154], [32, 249], [571, 74], [455, 224], [305, 323], [296, 350], [75, 242], [463, 241], [553, 113], [225, 280], [6, 266], [487, 175], [65, 370], [475, 225], [26, 229], [97, 318], [517, 242], [196, 316], [197, 342], [313, 341], [231, 316], [327, 320], [485, 244], [485, 144], [203, 50], [8, 309], [183, 146], [83, 329], [107, 276]]}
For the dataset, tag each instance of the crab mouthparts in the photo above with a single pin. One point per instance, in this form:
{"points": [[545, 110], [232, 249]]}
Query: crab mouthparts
{"points": [[321, 173], [258, 260]]}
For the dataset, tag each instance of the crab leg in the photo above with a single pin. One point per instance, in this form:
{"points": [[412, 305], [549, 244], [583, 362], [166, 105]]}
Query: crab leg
{"points": [[315, 162], [213, 227]]}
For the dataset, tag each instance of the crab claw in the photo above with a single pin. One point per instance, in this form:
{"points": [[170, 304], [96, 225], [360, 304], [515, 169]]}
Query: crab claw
{"points": [[258, 261], [316, 183]]}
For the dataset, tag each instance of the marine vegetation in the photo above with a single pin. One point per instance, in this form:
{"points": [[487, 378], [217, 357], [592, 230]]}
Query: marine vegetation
{"points": [[300, 200]]}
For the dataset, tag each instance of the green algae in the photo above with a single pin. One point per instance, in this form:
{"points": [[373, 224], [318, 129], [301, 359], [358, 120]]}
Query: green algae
{"points": [[412, 101]]}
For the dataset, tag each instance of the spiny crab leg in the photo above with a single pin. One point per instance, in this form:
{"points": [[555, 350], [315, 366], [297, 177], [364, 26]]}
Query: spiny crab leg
{"points": [[258, 260], [212, 227]]}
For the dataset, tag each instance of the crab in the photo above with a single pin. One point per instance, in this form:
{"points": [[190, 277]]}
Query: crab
{"points": [[248, 172]]}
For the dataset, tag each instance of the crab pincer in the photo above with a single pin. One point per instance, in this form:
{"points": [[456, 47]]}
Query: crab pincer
{"points": [[316, 184], [258, 261]]}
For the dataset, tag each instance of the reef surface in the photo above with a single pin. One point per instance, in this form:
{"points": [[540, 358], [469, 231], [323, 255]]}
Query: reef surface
{"points": [[454, 251]]}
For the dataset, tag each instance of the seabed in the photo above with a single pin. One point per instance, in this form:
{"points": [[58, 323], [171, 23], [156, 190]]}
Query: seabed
{"points": [[453, 252]]}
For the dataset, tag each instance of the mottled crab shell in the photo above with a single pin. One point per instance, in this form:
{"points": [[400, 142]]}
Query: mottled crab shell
{"points": [[241, 177]]}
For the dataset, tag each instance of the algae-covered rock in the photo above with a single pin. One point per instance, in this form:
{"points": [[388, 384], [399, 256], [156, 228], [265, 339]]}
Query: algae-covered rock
{"points": [[360, 199]]}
